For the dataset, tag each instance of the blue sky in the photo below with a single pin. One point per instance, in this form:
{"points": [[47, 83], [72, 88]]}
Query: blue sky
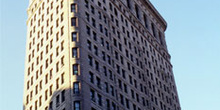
{"points": [[193, 39]]}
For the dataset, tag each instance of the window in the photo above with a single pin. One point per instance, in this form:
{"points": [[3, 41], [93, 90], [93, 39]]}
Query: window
{"points": [[74, 36], [93, 22], [96, 50], [97, 65], [74, 52], [87, 16], [90, 60], [94, 36], [75, 69], [103, 55], [92, 10], [86, 3], [57, 83], [89, 45], [76, 105], [62, 31], [40, 100], [137, 11], [98, 82], [76, 88], [127, 103], [92, 95], [73, 8], [99, 99], [145, 21], [63, 96], [129, 4], [91, 77], [88, 30], [122, 99], [106, 87], [74, 21], [62, 78], [57, 100], [51, 105], [153, 29], [112, 90], [107, 104], [100, 27]]}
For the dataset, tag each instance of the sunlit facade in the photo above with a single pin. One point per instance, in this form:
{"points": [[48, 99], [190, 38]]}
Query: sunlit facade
{"points": [[97, 55]]}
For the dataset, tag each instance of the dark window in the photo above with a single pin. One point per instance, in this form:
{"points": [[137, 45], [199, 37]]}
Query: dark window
{"points": [[63, 96], [88, 30], [137, 11], [153, 29], [74, 36], [76, 87], [73, 7], [90, 59], [145, 21], [73, 21], [129, 4], [99, 99], [91, 77], [76, 105], [92, 95], [75, 69], [74, 52]]}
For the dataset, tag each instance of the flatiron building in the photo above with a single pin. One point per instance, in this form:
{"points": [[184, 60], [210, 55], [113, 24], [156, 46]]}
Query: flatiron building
{"points": [[97, 55]]}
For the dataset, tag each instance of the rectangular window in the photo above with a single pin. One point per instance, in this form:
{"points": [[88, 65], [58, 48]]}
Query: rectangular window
{"points": [[93, 22], [75, 69], [96, 50], [76, 88], [63, 96], [99, 99], [137, 11], [73, 7], [92, 95], [106, 87], [87, 16], [145, 21], [98, 82], [74, 36], [74, 21], [57, 83], [89, 45], [74, 52], [57, 100], [97, 65], [92, 10], [76, 105], [91, 77], [88, 30], [90, 59], [101, 28], [108, 104]]}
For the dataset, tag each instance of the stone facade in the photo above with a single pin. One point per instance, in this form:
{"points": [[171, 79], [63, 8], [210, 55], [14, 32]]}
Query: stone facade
{"points": [[97, 55]]}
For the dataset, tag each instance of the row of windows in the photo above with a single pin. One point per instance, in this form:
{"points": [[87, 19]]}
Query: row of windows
{"points": [[97, 98], [88, 30], [143, 49], [95, 47], [39, 86]]}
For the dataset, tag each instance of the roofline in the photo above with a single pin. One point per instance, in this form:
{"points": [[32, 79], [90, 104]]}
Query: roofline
{"points": [[156, 13]]}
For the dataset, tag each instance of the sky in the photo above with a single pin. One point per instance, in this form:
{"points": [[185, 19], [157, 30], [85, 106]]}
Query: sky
{"points": [[193, 40]]}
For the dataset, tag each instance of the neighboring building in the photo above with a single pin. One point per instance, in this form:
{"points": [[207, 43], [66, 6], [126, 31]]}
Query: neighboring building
{"points": [[97, 55]]}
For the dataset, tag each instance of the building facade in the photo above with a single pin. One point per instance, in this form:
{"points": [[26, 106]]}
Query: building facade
{"points": [[97, 55]]}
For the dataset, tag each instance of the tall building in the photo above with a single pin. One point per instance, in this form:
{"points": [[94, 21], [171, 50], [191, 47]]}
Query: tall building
{"points": [[97, 55]]}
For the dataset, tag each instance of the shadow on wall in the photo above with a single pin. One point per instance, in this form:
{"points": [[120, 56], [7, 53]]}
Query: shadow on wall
{"points": [[59, 100]]}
